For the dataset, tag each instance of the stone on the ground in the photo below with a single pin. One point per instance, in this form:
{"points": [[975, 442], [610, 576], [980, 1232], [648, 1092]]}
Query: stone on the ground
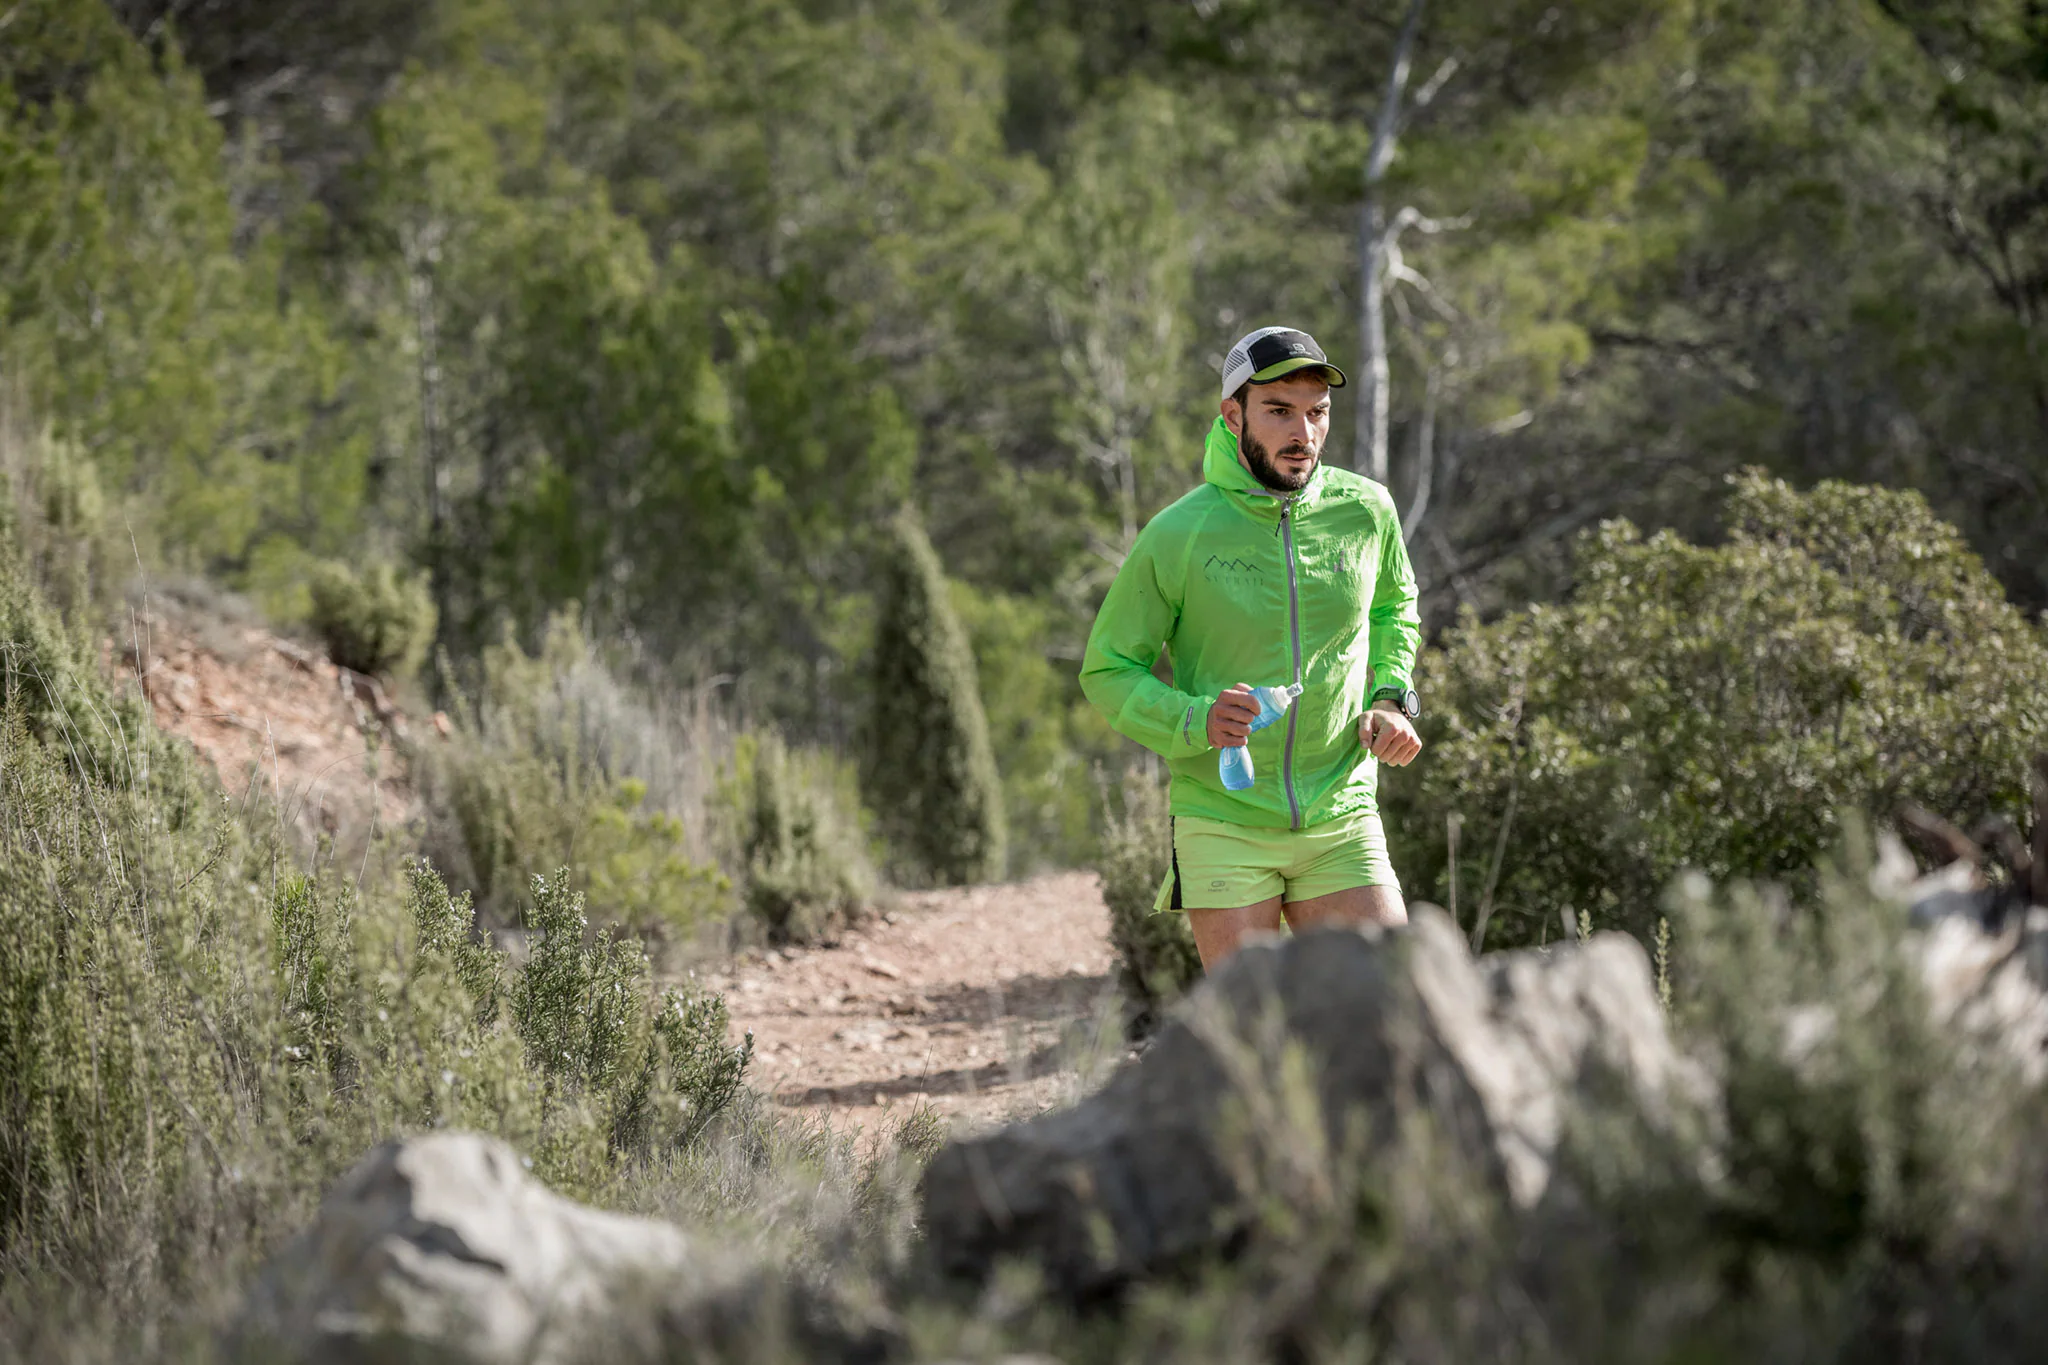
{"points": [[1991, 986], [443, 1248], [1395, 1026]]}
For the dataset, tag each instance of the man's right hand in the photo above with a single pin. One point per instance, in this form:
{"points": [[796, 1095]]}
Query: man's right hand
{"points": [[1230, 719]]}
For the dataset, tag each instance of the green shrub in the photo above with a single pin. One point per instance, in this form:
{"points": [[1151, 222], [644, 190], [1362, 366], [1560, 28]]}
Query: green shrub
{"points": [[581, 1005], [806, 870], [555, 762], [195, 1040], [1718, 708], [1048, 734], [637, 868], [1156, 957], [378, 621], [927, 767], [54, 518]]}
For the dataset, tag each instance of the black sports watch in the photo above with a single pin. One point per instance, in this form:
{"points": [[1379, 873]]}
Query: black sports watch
{"points": [[1404, 697]]}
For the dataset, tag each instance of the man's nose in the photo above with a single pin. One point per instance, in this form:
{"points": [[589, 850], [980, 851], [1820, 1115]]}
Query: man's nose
{"points": [[1300, 431]]}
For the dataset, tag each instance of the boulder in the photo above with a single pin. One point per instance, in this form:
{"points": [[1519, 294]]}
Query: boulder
{"points": [[1991, 985], [443, 1248], [1394, 1027]]}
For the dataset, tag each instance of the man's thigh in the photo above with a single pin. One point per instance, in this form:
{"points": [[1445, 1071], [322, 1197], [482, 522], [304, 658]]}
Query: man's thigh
{"points": [[1342, 875], [1219, 933], [1237, 881], [1353, 905]]}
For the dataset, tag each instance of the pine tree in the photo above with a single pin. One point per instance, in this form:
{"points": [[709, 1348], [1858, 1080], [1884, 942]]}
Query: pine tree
{"points": [[928, 768]]}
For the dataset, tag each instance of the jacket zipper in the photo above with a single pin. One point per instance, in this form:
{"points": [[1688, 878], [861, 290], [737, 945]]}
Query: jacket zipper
{"points": [[1294, 639]]}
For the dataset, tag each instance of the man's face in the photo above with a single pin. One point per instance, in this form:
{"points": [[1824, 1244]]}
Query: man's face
{"points": [[1282, 428]]}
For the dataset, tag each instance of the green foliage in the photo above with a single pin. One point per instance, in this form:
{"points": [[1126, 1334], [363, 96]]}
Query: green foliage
{"points": [[151, 337], [1720, 708], [556, 761], [1049, 736], [1156, 957], [639, 871], [806, 869], [376, 621], [1848, 1129], [194, 1040], [50, 687], [927, 766], [659, 1069], [54, 521]]}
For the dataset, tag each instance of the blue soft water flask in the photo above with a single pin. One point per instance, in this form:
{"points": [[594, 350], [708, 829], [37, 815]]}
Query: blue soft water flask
{"points": [[1234, 766]]}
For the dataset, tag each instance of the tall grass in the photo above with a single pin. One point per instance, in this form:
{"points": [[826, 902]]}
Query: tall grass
{"points": [[675, 817], [196, 1036]]}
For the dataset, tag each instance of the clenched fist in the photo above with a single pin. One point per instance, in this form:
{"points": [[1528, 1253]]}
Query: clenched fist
{"points": [[1230, 719], [1389, 736]]}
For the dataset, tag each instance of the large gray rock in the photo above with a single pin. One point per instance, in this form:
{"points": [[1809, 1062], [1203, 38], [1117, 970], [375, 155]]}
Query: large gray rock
{"points": [[1991, 985], [442, 1248], [1394, 1027]]}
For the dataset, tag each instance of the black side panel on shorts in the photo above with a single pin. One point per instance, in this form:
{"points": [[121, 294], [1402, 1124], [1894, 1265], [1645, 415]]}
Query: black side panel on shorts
{"points": [[1174, 853]]}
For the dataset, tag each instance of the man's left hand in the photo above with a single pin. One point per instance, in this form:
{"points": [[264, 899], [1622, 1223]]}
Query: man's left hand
{"points": [[1388, 735]]}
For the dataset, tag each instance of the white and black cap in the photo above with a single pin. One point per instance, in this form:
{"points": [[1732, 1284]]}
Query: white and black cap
{"points": [[1272, 353]]}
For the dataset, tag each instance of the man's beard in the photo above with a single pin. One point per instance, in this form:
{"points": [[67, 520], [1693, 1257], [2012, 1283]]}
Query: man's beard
{"points": [[1270, 474]]}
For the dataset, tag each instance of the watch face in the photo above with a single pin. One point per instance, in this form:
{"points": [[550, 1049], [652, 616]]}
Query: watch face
{"points": [[1411, 704]]}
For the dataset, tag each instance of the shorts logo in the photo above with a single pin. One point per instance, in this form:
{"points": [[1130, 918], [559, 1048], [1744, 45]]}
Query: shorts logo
{"points": [[1216, 886]]}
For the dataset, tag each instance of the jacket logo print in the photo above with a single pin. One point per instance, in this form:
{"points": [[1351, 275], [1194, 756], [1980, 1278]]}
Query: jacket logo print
{"points": [[1221, 570]]}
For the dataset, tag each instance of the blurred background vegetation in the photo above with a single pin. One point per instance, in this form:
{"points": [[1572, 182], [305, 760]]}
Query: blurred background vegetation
{"points": [[730, 416], [662, 311]]}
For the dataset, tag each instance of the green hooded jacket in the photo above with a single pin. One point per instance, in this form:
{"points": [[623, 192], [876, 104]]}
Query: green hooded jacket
{"points": [[1244, 585]]}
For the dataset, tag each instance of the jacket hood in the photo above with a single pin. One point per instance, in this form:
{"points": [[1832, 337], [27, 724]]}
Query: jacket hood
{"points": [[1221, 467]]}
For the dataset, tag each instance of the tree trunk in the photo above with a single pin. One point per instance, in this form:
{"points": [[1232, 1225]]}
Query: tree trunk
{"points": [[1369, 455]]}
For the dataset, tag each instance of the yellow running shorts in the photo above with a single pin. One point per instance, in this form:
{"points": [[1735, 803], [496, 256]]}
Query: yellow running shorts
{"points": [[1223, 867]]}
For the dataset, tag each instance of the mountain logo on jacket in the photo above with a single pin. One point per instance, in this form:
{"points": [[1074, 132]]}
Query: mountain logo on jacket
{"points": [[1221, 570]]}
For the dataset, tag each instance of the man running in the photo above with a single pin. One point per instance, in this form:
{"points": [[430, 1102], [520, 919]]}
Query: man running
{"points": [[1275, 571]]}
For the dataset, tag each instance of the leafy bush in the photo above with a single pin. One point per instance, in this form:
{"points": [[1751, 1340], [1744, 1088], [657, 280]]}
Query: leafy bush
{"points": [[555, 762], [378, 621], [581, 1006], [806, 870], [1156, 957], [194, 1040], [927, 767], [1875, 1195], [1718, 708], [53, 519], [1048, 734]]}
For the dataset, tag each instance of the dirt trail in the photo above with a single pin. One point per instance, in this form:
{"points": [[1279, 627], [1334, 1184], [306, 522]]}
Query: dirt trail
{"points": [[976, 1001]]}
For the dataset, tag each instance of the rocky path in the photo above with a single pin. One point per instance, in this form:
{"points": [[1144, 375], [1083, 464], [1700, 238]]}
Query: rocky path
{"points": [[983, 1002]]}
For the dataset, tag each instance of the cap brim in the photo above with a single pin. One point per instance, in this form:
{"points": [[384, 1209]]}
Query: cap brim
{"points": [[1281, 369]]}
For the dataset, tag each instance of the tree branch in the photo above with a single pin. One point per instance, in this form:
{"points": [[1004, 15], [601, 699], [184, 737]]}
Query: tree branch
{"points": [[1369, 450]]}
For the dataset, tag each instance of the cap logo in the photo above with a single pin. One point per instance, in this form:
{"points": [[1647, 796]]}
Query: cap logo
{"points": [[1263, 350]]}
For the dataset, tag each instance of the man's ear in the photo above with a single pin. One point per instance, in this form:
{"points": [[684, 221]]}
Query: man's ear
{"points": [[1233, 417]]}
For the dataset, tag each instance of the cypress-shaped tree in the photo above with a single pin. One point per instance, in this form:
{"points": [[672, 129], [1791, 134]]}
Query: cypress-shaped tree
{"points": [[927, 766]]}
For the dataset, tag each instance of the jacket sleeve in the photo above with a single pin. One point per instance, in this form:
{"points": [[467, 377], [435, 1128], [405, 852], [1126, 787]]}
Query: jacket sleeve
{"points": [[1139, 615], [1395, 622]]}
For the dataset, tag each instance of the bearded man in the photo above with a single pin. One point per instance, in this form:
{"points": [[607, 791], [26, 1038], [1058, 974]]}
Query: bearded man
{"points": [[1277, 571]]}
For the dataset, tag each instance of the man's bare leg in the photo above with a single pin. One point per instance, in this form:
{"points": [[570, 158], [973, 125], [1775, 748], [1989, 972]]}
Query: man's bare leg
{"points": [[1355, 905], [1219, 932]]}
